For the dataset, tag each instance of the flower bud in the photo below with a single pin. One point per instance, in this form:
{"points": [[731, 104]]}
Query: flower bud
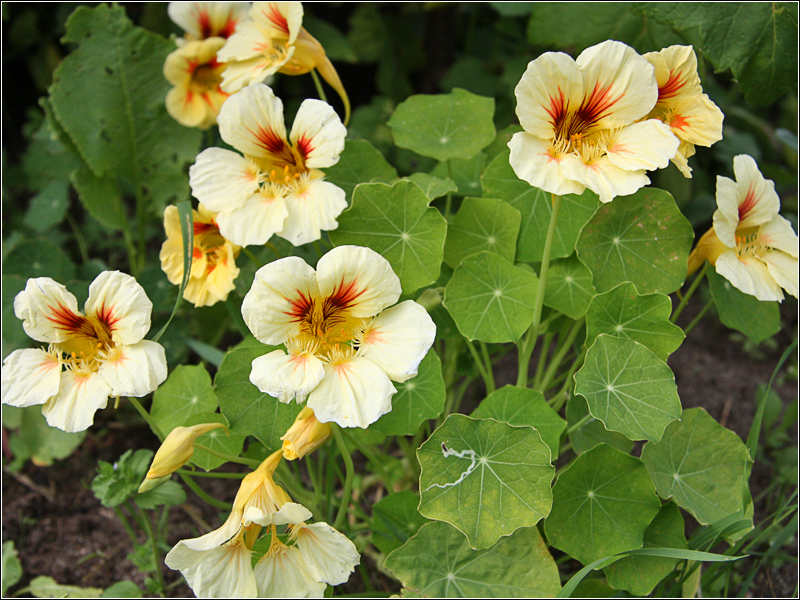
{"points": [[175, 451], [305, 435]]}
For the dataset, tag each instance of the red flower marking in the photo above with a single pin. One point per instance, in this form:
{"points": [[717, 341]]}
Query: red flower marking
{"points": [[197, 253], [277, 19], [558, 108], [343, 297], [189, 96], [106, 317], [201, 228], [204, 21], [305, 146], [594, 107], [66, 320], [230, 26], [748, 203], [302, 307], [269, 140], [672, 87], [679, 122]]}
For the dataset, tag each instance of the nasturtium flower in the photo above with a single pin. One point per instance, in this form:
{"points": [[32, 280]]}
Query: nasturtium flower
{"points": [[345, 342], [690, 114], [214, 267], [91, 356], [277, 187], [305, 435], [219, 564], [193, 70], [273, 40], [203, 20], [750, 244], [583, 126]]}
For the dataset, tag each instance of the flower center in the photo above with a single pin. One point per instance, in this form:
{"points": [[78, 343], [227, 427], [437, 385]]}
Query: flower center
{"points": [[750, 243], [206, 78]]}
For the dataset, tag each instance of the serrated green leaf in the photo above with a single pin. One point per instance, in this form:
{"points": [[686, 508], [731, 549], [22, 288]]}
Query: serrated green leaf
{"points": [[433, 187], [420, 398], [46, 587], [535, 206], [395, 519], [486, 478], [39, 258], [490, 299], [396, 222], [49, 207], [250, 411], [756, 319], [439, 563], [114, 484], [455, 125], [12, 568], [186, 391], [628, 388], [360, 162], [602, 505], [700, 464], [169, 493], [101, 198], [569, 287], [757, 41], [482, 224], [523, 406], [592, 432], [622, 312], [642, 238]]}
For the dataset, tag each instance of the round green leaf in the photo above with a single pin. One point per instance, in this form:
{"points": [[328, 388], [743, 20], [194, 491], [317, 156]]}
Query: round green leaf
{"points": [[420, 398], [455, 125], [642, 238], [486, 478], [359, 162], [482, 224], [622, 312], [602, 505], [395, 519], [569, 287], [187, 391], [500, 181], [433, 187], [466, 174], [592, 432], [628, 388], [523, 406], [756, 319], [39, 258], [490, 299], [396, 222], [700, 464], [218, 440], [439, 563]]}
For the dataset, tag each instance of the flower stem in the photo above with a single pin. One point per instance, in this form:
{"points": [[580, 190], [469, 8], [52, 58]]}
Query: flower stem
{"points": [[699, 316], [348, 480], [253, 258], [689, 293], [146, 416], [561, 351], [486, 372], [211, 474], [151, 536], [205, 497], [370, 456], [318, 85]]}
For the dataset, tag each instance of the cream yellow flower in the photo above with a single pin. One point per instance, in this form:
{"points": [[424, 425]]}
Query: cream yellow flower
{"points": [[345, 342], [272, 41], [750, 244], [582, 123], [277, 187], [691, 115], [213, 258], [305, 435], [193, 70], [90, 356], [203, 20]]}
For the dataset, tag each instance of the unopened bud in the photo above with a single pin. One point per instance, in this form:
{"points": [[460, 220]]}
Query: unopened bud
{"points": [[305, 435], [175, 451]]}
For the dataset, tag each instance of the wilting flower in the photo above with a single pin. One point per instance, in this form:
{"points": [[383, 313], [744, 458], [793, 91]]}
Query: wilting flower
{"points": [[272, 41], [344, 345], [277, 187], [203, 20], [690, 114], [305, 435], [219, 564], [194, 71], [582, 122], [750, 244], [174, 452], [90, 356], [213, 258]]}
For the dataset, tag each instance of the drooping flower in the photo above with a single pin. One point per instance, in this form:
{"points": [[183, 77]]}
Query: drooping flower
{"points": [[690, 114], [214, 267], [273, 40], [582, 123], [344, 345], [750, 244], [305, 435], [277, 187], [90, 356], [203, 20], [193, 70], [219, 564]]}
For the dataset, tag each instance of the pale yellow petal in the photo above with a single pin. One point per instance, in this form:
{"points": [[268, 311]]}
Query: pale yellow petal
{"points": [[222, 572], [784, 270], [534, 161], [779, 235], [222, 180], [252, 122], [118, 302], [676, 73], [135, 370], [312, 209], [49, 313], [330, 555], [79, 397], [286, 376], [750, 275], [282, 19], [286, 575], [318, 134], [604, 178], [647, 145], [30, 377], [253, 223]]}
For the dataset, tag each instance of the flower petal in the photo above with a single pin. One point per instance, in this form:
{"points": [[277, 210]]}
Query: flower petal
{"points": [[749, 275], [281, 295], [353, 393], [222, 180], [30, 376], [252, 122], [135, 370], [222, 572], [283, 20], [330, 555], [253, 223], [398, 339], [779, 235], [312, 210], [286, 575], [49, 313], [676, 73], [79, 397], [784, 270], [758, 201], [647, 145], [207, 19], [286, 376], [121, 305], [318, 134], [604, 178], [533, 161]]}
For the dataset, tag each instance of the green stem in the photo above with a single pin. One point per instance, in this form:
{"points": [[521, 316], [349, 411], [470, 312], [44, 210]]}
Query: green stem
{"points": [[83, 248], [348, 481], [448, 201], [547, 341], [318, 85], [387, 481], [586, 418], [146, 416], [126, 525], [228, 457], [205, 497], [699, 316], [211, 474], [487, 364], [253, 258], [151, 536], [487, 376], [410, 453], [561, 352], [561, 396], [689, 292]]}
